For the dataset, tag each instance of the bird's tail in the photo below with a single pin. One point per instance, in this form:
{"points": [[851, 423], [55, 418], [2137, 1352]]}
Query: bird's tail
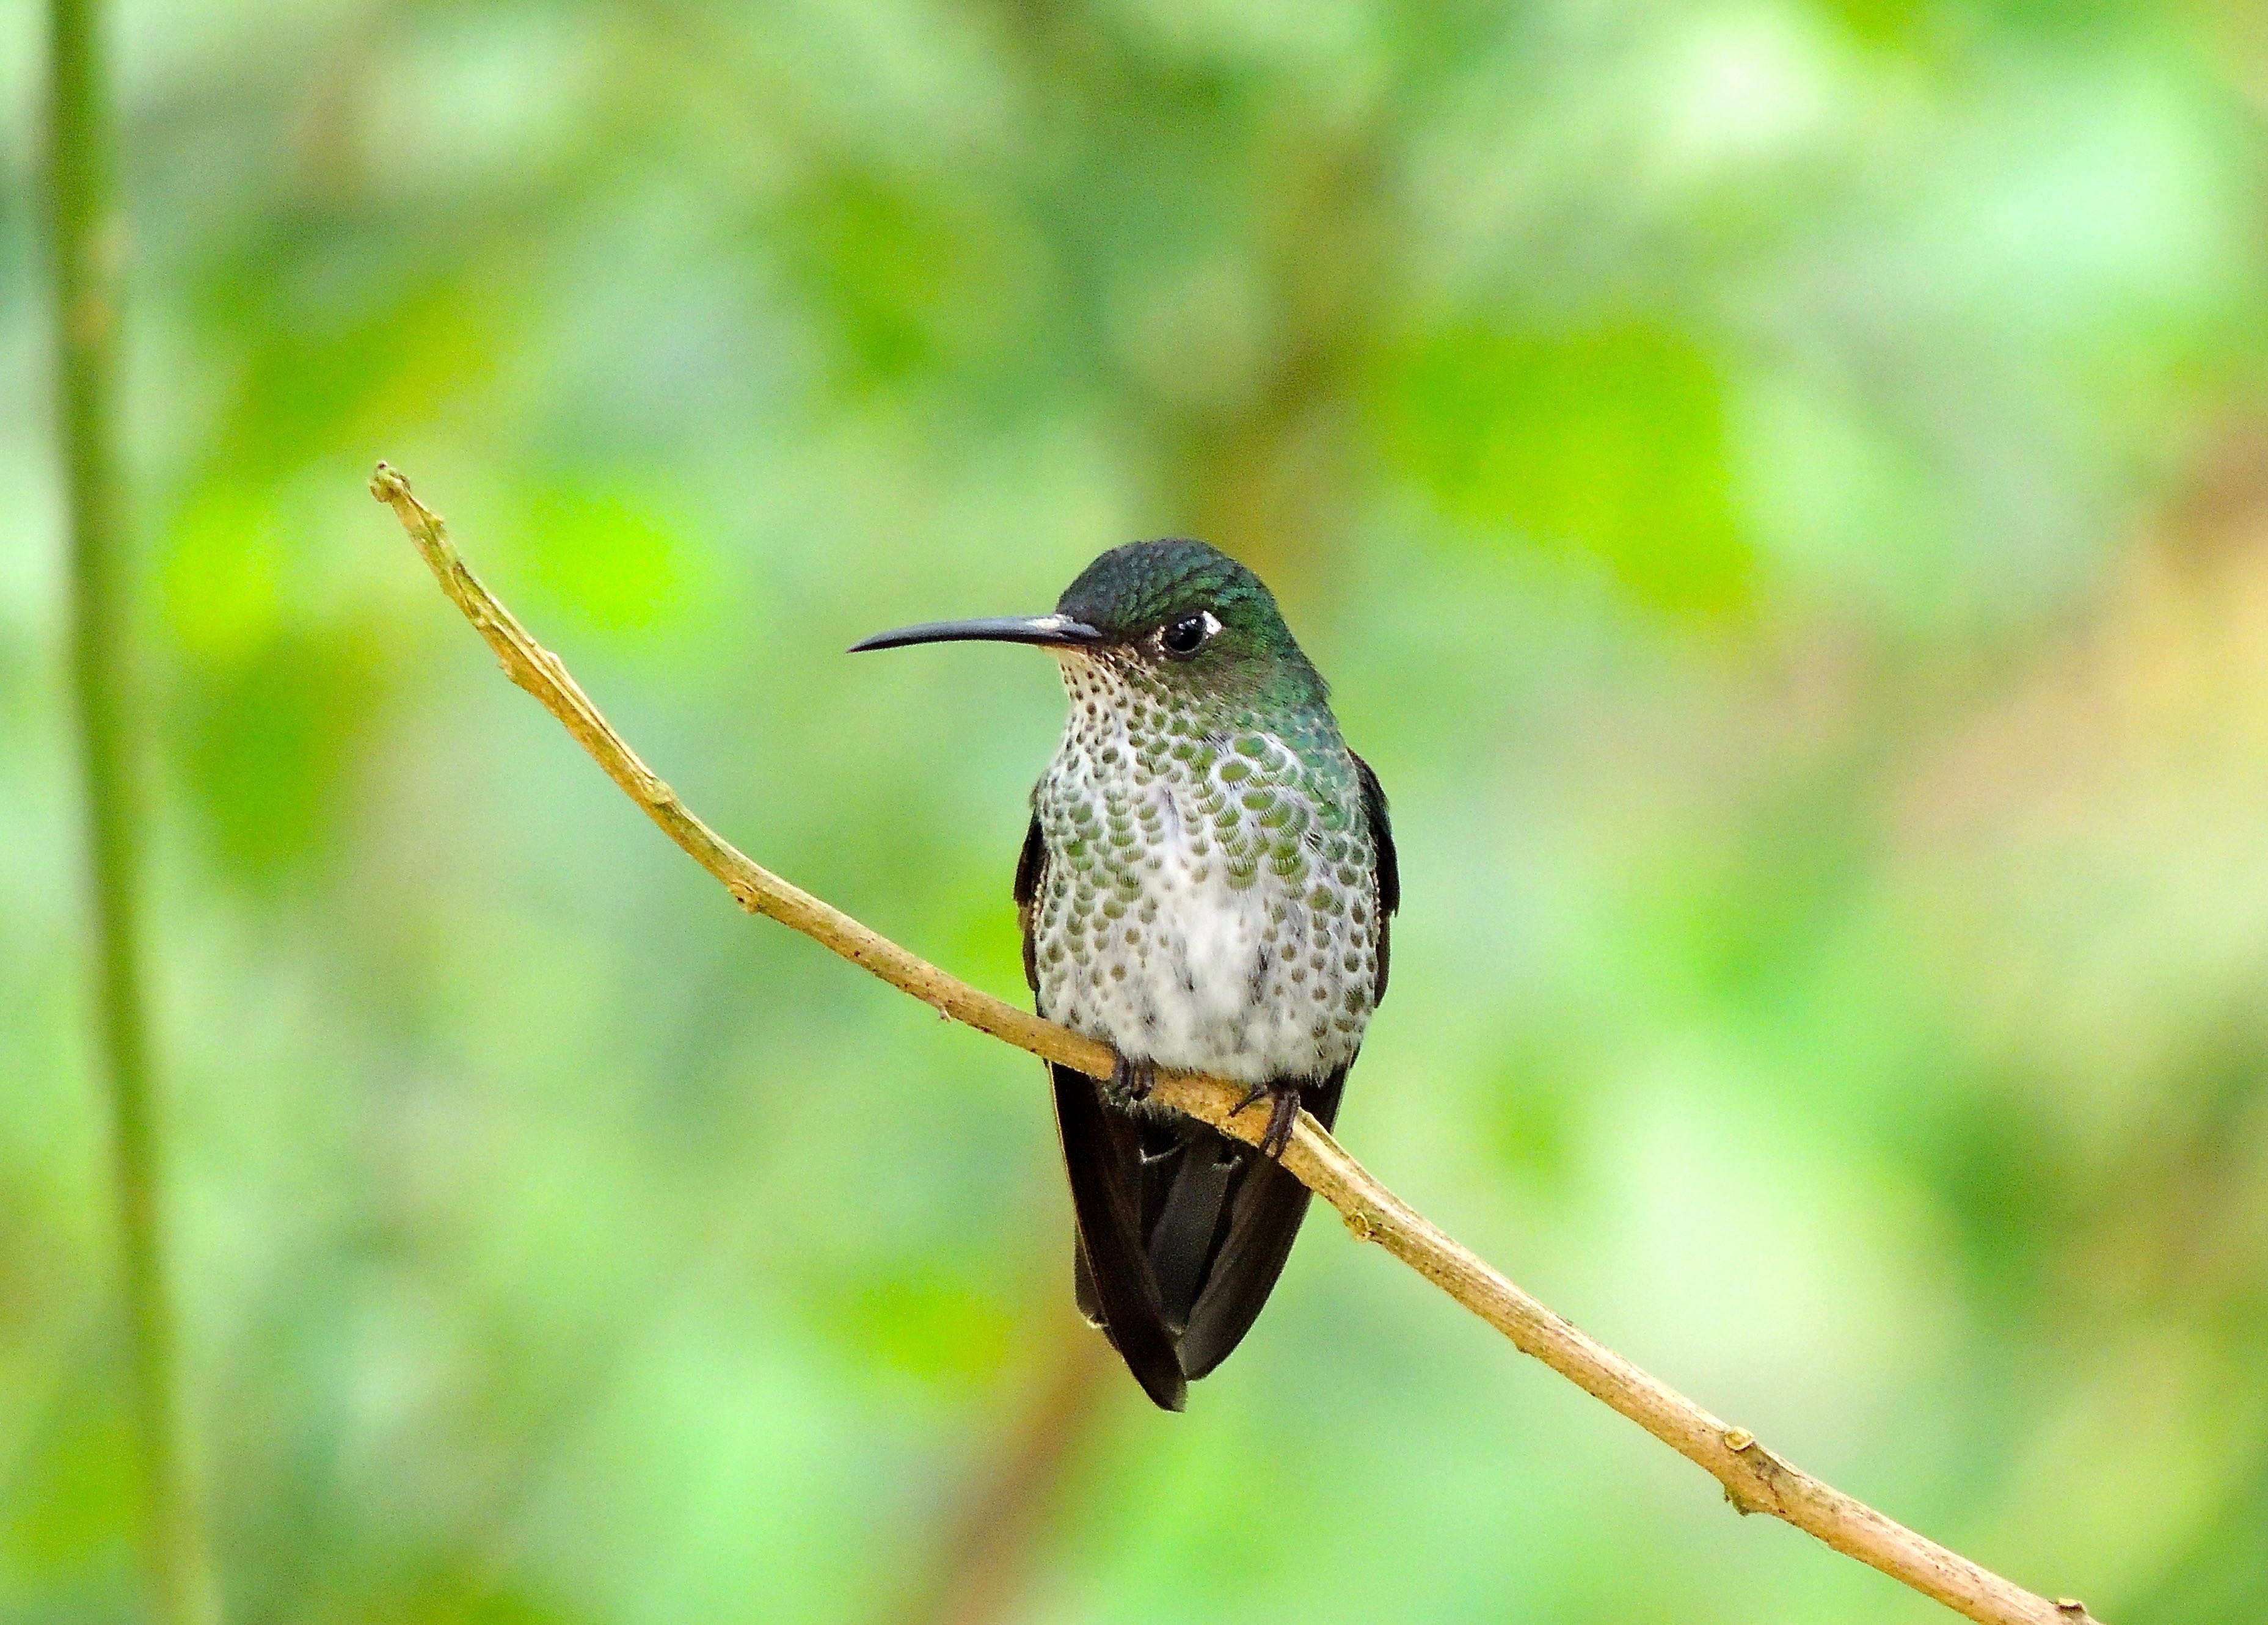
{"points": [[1182, 1231]]}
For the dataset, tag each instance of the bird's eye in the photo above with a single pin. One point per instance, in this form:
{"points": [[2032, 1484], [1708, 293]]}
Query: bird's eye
{"points": [[1188, 635]]}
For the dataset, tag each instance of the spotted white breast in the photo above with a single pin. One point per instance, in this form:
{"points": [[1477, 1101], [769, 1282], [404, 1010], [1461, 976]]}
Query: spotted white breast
{"points": [[1210, 901]]}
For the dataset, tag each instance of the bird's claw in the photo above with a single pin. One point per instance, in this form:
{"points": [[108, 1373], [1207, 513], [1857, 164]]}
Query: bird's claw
{"points": [[1283, 1115], [1132, 1081]]}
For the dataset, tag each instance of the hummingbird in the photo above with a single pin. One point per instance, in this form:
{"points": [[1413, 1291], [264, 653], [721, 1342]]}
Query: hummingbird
{"points": [[1206, 886]]}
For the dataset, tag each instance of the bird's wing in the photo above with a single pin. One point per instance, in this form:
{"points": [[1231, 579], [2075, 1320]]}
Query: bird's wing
{"points": [[1031, 877], [1388, 866], [1103, 1156]]}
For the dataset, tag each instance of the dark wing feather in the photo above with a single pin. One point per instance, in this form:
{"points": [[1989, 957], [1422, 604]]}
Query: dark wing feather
{"points": [[1102, 1156], [1388, 867], [1031, 874]]}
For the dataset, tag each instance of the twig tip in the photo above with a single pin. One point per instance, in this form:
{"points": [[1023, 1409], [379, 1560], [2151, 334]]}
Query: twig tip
{"points": [[388, 484]]}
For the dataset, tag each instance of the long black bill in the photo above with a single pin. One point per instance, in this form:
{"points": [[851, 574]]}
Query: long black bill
{"points": [[1060, 631]]}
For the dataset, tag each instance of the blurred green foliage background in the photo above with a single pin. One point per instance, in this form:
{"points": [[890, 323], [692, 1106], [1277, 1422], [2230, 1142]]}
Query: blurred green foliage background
{"points": [[1781, 488]]}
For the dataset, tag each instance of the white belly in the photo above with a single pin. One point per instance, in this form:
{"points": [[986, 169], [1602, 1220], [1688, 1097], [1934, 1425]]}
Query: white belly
{"points": [[1196, 974]]}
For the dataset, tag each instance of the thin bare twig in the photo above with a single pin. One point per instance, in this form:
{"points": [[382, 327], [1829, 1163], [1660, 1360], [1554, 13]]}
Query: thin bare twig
{"points": [[1753, 1478]]}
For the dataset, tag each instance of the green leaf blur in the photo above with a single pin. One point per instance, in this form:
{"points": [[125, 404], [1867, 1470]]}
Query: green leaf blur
{"points": [[1779, 488]]}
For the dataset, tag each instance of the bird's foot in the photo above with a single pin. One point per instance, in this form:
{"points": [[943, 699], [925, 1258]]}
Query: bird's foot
{"points": [[1132, 1081], [1283, 1115]]}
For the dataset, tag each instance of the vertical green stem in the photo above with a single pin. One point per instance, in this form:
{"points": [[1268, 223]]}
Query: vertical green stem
{"points": [[87, 249]]}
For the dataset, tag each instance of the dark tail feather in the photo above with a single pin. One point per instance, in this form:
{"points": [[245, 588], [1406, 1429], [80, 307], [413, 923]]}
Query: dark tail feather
{"points": [[1082, 1282], [1102, 1153], [1182, 1216], [1264, 1211]]}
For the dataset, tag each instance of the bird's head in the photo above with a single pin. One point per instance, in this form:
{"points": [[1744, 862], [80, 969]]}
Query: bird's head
{"points": [[1178, 615]]}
